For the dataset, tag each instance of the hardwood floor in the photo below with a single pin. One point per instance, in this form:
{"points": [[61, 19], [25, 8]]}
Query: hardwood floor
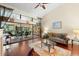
{"points": [[22, 49], [18, 49], [75, 50]]}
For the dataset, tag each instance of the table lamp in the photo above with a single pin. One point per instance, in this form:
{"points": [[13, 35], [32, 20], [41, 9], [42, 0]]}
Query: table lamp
{"points": [[76, 32]]}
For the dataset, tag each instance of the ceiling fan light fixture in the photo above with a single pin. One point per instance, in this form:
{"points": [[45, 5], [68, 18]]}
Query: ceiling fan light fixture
{"points": [[41, 5]]}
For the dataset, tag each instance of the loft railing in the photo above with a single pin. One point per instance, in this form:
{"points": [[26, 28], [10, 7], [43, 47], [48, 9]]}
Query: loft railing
{"points": [[5, 13]]}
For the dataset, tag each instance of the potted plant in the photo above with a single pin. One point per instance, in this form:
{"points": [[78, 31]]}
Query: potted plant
{"points": [[27, 32]]}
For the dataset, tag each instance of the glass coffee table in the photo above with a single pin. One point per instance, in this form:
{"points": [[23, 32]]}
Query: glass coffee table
{"points": [[49, 44]]}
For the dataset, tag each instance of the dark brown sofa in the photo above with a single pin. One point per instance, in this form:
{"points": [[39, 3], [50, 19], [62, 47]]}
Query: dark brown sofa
{"points": [[58, 38]]}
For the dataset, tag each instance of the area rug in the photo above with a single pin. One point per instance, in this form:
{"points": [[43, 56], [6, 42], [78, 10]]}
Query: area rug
{"points": [[43, 51]]}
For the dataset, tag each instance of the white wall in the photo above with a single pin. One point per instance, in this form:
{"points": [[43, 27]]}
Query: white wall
{"points": [[67, 13]]}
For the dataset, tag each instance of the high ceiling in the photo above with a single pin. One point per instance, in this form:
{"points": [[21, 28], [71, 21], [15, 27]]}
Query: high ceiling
{"points": [[29, 8]]}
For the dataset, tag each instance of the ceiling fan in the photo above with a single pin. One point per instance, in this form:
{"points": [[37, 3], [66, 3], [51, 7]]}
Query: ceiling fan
{"points": [[41, 5]]}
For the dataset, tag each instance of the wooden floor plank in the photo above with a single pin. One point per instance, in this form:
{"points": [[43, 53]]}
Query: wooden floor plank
{"points": [[22, 49]]}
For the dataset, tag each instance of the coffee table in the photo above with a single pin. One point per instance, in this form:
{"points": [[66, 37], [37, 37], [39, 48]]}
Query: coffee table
{"points": [[49, 44]]}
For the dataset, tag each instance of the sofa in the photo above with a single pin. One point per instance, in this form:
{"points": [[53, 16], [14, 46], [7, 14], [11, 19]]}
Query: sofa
{"points": [[59, 38]]}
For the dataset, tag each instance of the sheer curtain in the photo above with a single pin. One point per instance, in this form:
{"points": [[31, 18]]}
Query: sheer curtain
{"points": [[5, 13]]}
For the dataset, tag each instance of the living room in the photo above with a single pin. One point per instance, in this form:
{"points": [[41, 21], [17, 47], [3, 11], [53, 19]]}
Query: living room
{"points": [[47, 28], [65, 17]]}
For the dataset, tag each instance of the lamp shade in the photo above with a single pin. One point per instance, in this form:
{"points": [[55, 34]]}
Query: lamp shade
{"points": [[76, 31]]}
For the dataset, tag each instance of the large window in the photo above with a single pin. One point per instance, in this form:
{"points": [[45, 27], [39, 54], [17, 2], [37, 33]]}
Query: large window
{"points": [[21, 27]]}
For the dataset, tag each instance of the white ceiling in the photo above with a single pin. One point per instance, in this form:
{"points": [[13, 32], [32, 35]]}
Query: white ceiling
{"points": [[29, 8]]}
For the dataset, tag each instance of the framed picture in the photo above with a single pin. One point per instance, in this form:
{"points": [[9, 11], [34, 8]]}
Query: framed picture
{"points": [[57, 24]]}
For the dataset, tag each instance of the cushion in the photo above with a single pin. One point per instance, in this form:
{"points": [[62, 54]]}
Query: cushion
{"points": [[60, 35], [56, 39]]}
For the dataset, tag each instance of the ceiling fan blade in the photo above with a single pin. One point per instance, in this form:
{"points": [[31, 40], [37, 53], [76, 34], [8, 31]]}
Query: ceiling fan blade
{"points": [[43, 7], [37, 5], [44, 3]]}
